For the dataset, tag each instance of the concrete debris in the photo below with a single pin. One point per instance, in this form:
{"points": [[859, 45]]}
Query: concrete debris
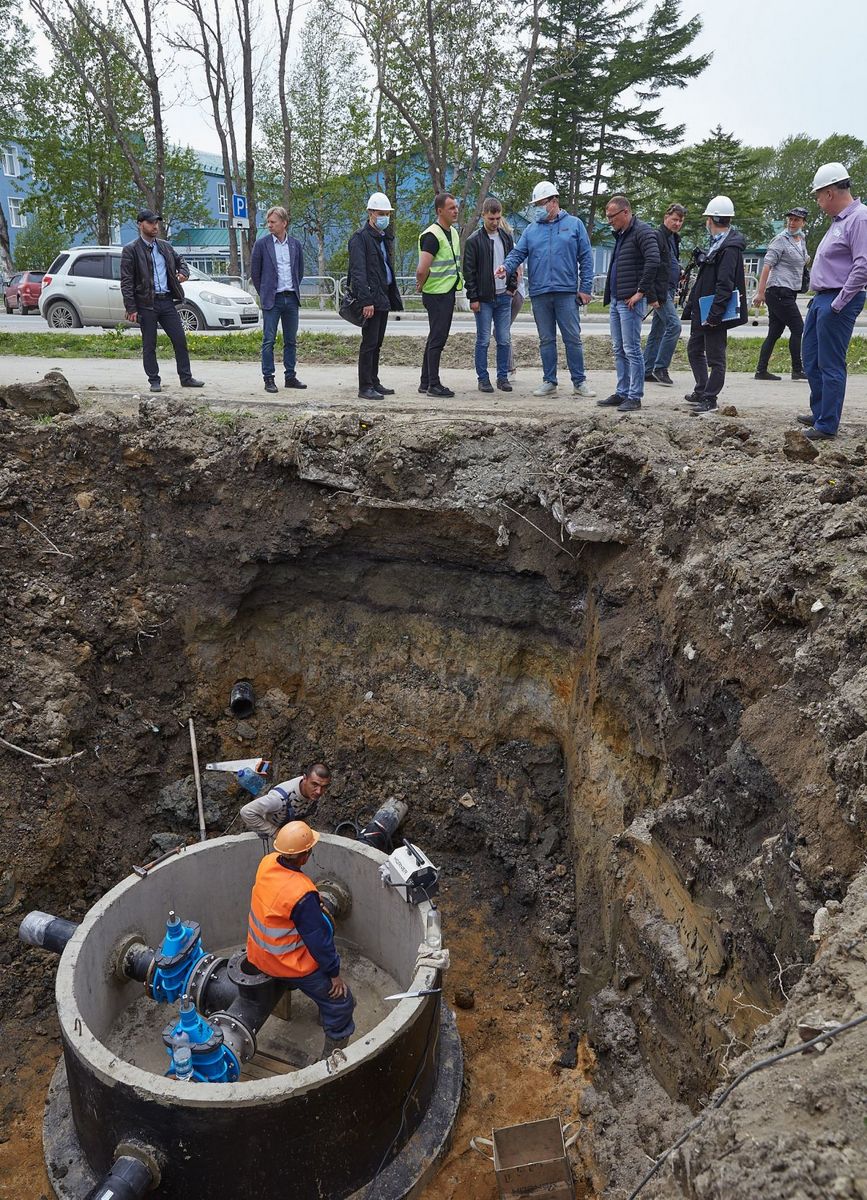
{"points": [[47, 397], [797, 448]]}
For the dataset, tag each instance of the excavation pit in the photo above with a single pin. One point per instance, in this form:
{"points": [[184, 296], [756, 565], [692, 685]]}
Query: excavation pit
{"points": [[393, 1090]]}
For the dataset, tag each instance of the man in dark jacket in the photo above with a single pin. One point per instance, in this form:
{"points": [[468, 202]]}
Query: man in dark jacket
{"points": [[629, 287], [277, 268], [151, 274], [665, 324], [371, 281], [490, 295], [717, 303]]}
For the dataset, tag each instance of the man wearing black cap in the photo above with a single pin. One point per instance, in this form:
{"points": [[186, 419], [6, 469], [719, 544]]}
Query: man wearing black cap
{"points": [[779, 284], [151, 274]]}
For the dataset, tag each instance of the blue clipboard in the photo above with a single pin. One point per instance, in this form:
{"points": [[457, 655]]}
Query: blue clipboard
{"points": [[732, 312]]}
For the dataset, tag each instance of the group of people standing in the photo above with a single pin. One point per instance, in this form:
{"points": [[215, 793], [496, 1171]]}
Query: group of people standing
{"points": [[552, 261]]}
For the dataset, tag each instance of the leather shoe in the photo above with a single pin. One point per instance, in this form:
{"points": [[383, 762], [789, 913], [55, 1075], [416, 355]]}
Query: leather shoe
{"points": [[485, 385], [156, 387], [383, 391], [629, 405], [192, 383], [292, 381], [611, 401], [444, 393], [819, 435], [270, 385], [422, 390], [799, 377], [504, 385], [369, 394], [804, 419], [661, 375], [767, 375]]}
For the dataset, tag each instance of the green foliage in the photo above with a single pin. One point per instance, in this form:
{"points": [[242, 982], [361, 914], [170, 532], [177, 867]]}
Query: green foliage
{"points": [[721, 164], [38, 245], [184, 202], [789, 169], [16, 61]]}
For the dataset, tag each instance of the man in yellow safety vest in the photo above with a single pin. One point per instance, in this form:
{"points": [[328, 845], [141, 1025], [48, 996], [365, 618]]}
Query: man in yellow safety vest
{"points": [[438, 278]]}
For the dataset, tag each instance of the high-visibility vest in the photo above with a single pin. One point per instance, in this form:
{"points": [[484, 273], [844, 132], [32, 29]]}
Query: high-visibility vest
{"points": [[274, 945], [445, 272]]}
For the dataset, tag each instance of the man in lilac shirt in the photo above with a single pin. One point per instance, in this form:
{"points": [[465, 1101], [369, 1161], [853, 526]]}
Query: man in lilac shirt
{"points": [[838, 276]]}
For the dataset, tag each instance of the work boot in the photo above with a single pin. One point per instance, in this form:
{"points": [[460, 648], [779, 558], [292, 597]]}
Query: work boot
{"points": [[767, 375], [292, 381], [330, 1045], [270, 385]]}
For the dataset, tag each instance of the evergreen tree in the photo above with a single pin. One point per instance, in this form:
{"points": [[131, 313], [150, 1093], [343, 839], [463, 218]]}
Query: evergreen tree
{"points": [[722, 165]]}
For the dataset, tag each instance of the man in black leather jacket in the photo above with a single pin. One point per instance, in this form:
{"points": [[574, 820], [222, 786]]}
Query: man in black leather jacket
{"points": [[490, 297], [151, 274]]}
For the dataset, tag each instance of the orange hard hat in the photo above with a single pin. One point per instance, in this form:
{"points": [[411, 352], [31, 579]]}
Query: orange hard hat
{"points": [[296, 837]]}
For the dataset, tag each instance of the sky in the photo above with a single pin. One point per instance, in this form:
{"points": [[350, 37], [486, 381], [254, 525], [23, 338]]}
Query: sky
{"points": [[779, 67]]}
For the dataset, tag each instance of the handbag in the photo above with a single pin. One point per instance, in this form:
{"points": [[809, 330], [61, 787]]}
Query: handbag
{"points": [[351, 309]]}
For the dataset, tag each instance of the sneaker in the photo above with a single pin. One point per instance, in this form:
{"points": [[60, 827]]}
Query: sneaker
{"points": [[485, 385], [611, 401], [156, 386], [661, 375], [444, 393], [383, 391], [799, 377], [581, 389], [270, 385], [805, 420], [767, 375], [422, 389], [192, 382], [649, 377], [693, 397], [547, 388], [629, 405], [292, 381], [504, 385], [819, 435], [706, 406], [368, 393]]}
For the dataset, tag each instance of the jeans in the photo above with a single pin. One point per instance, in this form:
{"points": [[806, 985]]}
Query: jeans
{"points": [[783, 311], [335, 1015], [440, 307], [285, 313], [498, 311], [625, 325], [372, 334], [826, 340], [550, 311], [663, 337], [163, 313], [707, 348]]}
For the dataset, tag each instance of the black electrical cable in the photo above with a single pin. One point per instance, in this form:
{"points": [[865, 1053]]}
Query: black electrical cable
{"points": [[726, 1092], [429, 1042]]}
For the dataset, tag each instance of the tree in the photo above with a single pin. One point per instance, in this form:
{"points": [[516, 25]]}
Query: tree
{"points": [[329, 112], [16, 57], [595, 124], [185, 189], [455, 80], [789, 170], [37, 246], [722, 164]]}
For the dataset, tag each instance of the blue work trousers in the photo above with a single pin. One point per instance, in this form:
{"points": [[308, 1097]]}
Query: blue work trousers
{"points": [[285, 313], [826, 340], [335, 1015], [499, 313], [663, 337], [553, 310], [625, 326]]}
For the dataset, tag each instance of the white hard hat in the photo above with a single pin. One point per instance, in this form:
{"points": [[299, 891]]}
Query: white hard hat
{"points": [[544, 191], [380, 202], [720, 206], [828, 174]]}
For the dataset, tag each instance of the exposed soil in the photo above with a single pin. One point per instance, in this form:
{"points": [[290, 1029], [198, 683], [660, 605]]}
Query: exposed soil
{"points": [[618, 673]]}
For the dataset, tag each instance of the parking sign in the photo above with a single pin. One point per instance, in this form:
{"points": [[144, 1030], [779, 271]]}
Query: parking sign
{"points": [[239, 206]]}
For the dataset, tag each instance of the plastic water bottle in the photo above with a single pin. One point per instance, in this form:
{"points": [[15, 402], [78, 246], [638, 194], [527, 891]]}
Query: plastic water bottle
{"points": [[182, 1057], [433, 930]]}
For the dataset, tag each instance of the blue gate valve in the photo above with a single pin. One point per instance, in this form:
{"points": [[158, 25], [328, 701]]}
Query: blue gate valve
{"points": [[213, 1061], [181, 949]]}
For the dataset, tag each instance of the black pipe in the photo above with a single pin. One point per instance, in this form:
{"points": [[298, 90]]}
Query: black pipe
{"points": [[243, 991], [138, 962], [242, 701], [45, 930], [128, 1179]]}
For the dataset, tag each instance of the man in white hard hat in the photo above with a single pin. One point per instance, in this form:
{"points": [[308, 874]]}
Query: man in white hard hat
{"points": [[372, 282], [559, 260], [838, 277], [717, 303]]}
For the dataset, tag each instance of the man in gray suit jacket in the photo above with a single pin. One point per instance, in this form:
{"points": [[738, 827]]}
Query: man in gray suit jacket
{"points": [[277, 268]]}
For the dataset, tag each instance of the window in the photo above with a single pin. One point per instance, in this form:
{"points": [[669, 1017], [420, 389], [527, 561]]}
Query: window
{"points": [[57, 264], [90, 265], [17, 219], [114, 263], [11, 165], [222, 200]]}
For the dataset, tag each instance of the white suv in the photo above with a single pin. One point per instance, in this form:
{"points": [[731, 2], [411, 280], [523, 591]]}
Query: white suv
{"points": [[82, 287]]}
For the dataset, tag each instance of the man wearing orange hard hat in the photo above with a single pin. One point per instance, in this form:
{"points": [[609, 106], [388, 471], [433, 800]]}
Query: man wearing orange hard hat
{"points": [[289, 936]]}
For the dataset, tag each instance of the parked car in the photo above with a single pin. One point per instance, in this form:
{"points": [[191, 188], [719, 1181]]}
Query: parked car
{"points": [[82, 287], [23, 291]]}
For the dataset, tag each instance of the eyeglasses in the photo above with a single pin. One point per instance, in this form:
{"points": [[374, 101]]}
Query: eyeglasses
{"points": [[616, 213]]}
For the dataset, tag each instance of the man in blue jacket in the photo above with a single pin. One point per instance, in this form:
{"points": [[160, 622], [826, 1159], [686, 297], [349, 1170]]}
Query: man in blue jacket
{"points": [[277, 268], [560, 269]]}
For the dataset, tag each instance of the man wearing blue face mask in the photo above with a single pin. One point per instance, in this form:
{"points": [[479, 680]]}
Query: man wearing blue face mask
{"points": [[371, 281], [560, 272]]}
